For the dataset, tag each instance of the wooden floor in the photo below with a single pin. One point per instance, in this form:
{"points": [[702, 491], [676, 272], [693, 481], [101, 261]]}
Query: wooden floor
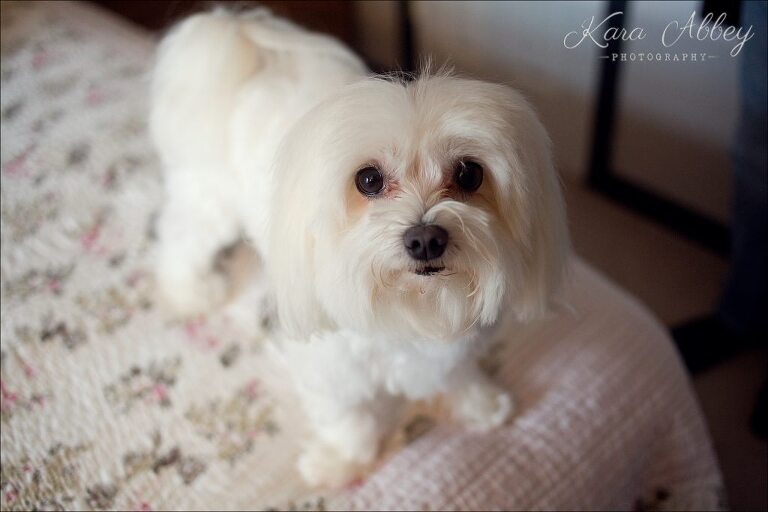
{"points": [[678, 281]]}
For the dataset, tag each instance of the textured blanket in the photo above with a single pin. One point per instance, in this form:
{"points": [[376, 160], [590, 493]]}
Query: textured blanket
{"points": [[108, 403]]}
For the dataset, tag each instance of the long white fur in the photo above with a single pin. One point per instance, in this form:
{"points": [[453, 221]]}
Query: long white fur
{"points": [[261, 127]]}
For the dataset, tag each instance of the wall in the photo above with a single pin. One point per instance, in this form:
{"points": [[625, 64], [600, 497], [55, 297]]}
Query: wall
{"points": [[676, 121]]}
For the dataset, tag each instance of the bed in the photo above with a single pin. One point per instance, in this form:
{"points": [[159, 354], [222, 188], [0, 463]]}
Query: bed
{"points": [[109, 403]]}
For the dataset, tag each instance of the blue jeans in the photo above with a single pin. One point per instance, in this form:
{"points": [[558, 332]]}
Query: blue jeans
{"points": [[744, 305]]}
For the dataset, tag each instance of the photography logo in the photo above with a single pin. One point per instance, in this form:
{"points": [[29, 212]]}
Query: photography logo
{"points": [[601, 33]]}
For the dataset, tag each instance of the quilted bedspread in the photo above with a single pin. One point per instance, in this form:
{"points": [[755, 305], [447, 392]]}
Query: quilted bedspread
{"points": [[109, 403]]}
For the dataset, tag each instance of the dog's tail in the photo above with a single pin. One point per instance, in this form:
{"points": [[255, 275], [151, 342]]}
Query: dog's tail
{"points": [[201, 64], [205, 61]]}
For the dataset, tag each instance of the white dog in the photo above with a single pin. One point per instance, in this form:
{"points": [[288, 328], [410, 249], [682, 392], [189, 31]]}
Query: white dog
{"points": [[397, 219]]}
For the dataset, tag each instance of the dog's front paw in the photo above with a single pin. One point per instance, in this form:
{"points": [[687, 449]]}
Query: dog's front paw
{"points": [[481, 406], [322, 465]]}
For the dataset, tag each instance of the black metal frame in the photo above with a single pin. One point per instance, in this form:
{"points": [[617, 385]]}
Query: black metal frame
{"points": [[602, 177], [407, 52], [695, 226]]}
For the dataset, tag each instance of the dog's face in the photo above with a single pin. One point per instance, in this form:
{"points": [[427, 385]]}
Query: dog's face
{"points": [[419, 208]]}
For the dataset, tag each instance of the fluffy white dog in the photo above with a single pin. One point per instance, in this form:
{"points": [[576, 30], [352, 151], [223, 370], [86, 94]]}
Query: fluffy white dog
{"points": [[396, 219]]}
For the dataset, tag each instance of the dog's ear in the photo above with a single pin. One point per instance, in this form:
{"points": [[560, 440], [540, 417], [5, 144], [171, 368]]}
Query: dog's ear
{"points": [[533, 208], [291, 267], [291, 261]]}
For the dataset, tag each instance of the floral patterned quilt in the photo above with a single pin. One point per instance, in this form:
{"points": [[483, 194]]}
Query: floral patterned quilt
{"points": [[108, 403]]}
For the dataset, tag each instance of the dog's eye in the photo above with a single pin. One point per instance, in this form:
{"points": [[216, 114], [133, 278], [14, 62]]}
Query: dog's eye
{"points": [[369, 181], [468, 175]]}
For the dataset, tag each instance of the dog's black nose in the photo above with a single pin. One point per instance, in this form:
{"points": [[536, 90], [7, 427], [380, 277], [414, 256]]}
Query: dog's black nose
{"points": [[425, 242]]}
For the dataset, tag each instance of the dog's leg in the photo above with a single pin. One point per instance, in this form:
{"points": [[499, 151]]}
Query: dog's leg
{"points": [[192, 228], [477, 401], [250, 309], [347, 414], [342, 448]]}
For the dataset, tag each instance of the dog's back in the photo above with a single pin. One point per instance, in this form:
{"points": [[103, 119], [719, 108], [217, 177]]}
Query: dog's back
{"points": [[207, 65], [225, 90]]}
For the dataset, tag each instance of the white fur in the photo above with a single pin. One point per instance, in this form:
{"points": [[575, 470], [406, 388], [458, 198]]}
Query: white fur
{"points": [[261, 127]]}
